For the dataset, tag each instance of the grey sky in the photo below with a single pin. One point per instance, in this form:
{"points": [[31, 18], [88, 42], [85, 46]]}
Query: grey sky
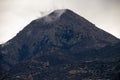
{"points": [[16, 14]]}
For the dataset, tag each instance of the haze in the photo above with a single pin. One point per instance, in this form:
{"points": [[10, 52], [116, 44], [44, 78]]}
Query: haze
{"points": [[16, 14]]}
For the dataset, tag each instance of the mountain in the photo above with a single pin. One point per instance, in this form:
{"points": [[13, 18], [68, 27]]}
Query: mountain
{"points": [[59, 46]]}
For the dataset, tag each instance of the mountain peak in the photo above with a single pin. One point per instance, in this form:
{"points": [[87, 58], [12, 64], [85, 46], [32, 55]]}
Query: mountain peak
{"points": [[57, 14], [62, 15], [62, 20], [60, 12]]}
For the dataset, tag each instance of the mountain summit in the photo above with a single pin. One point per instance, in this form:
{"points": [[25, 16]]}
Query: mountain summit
{"points": [[61, 38], [68, 27]]}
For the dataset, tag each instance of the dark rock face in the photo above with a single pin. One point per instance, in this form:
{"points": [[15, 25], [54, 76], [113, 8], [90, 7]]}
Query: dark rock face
{"points": [[116, 71], [55, 46]]}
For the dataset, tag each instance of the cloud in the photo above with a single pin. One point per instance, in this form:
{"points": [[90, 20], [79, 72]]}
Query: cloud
{"points": [[54, 16]]}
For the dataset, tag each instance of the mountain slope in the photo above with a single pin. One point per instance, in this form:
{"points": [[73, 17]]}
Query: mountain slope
{"points": [[59, 39], [51, 66]]}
